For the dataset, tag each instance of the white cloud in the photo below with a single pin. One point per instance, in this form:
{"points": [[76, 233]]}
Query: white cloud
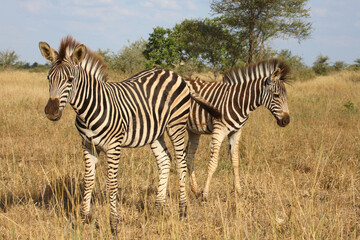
{"points": [[35, 6], [105, 1], [172, 4], [191, 5], [321, 12], [31, 29], [357, 24], [93, 2], [105, 14], [146, 4], [165, 16], [169, 4]]}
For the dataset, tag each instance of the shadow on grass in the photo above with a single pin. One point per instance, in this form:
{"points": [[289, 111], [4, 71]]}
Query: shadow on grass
{"points": [[65, 195]]}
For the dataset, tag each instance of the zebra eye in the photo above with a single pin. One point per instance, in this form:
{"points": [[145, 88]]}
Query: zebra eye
{"points": [[70, 79], [276, 95]]}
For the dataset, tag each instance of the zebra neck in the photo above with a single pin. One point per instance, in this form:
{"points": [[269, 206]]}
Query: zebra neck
{"points": [[246, 97], [88, 96]]}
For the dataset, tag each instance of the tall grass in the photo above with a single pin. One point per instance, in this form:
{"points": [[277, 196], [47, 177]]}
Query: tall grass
{"points": [[299, 182]]}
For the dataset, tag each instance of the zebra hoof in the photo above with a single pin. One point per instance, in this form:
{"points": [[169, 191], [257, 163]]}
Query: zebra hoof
{"points": [[183, 213], [204, 198], [86, 219], [113, 226], [196, 193], [239, 194], [159, 208]]}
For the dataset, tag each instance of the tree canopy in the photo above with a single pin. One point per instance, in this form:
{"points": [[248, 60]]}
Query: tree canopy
{"points": [[257, 21], [238, 34], [8, 58], [162, 48], [207, 41]]}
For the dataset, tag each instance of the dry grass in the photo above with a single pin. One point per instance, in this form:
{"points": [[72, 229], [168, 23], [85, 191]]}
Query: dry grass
{"points": [[299, 182]]}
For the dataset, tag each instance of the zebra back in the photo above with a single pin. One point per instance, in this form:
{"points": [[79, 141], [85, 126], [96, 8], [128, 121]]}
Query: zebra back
{"points": [[241, 91], [257, 70]]}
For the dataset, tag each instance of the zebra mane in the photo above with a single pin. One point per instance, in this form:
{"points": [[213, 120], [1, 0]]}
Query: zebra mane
{"points": [[257, 70], [92, 62]]}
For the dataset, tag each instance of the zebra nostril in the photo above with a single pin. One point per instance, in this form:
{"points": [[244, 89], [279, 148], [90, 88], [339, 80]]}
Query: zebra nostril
{"points": [[286, 121]]}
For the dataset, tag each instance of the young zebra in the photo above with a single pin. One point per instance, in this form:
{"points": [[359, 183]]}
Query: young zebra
{"points": [[112, 115], [241, 91]]}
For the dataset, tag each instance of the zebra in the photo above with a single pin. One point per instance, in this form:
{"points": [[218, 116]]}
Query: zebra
{"points": [[242, 90], [112, 115]]}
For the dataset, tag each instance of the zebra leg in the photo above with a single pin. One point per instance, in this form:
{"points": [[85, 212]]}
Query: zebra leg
{"points": [[192, 146], [113, 159], [216, 139], [234, 140], [90, 160], [177, 136], [163, 162]]}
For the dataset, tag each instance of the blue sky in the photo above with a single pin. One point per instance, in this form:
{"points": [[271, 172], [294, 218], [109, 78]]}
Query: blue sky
{"points": [[111, 24]]}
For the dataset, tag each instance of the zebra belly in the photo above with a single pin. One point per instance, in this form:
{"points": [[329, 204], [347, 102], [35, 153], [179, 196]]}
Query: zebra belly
{"points": [[131, 138], [144, 130], [200, 121], [130, 142], [100, 138], [201, 127]]}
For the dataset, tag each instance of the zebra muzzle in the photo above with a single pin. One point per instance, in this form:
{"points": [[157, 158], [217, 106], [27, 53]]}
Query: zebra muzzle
{"points": [[285, 120], [52, 110]]}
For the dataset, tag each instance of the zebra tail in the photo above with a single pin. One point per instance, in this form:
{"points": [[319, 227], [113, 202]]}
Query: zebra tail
{"points": [[205, 104]]}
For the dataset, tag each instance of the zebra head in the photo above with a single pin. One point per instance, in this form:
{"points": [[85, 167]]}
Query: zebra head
{"points": [[275, 98], [63, 77]]}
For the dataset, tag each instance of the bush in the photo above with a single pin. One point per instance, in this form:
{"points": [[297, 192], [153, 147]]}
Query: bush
{"points": [[321, 65], [8, 59], [128, 60]]}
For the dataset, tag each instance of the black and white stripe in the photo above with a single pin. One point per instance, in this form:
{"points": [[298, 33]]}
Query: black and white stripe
{"points": [[241, 91], [113, 115]]}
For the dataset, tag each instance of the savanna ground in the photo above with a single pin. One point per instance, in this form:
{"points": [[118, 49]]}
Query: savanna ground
{"points": [[299, 182]]}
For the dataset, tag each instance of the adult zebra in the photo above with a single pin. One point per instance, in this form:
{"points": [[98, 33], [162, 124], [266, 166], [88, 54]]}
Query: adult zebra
{"points": [[241, 91], [112, 115]]}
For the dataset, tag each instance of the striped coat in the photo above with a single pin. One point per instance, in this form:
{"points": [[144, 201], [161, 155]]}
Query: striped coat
{"points": [[241, 92], [113, 115]]}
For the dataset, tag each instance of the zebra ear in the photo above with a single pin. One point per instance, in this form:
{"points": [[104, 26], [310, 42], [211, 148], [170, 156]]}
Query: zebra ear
{"points": [[79, 53], [276, 75], [48, 52]]}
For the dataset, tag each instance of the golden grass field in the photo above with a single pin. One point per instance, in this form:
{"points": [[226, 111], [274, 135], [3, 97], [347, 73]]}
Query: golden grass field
{"points": [[299, 182]]}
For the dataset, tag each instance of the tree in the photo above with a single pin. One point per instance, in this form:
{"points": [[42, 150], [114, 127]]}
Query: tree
{"points": [[130, 59], [257, 21], [207, 41], [339, 65], [321, 65], [107, 56], [8, 58], [355, 66], [357, 62], [196, 42], [162, 49], [295, 62]]}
